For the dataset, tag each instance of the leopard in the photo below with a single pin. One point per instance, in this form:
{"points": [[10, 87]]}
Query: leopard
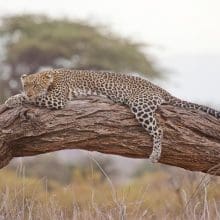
{"points": [[52, 89]]}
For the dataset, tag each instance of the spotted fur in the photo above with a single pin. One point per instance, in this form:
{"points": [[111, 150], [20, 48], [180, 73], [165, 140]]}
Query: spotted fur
{"points": [[52, 89]]}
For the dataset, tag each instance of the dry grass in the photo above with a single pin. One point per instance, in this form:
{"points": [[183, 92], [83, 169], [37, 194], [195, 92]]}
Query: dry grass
{"points": [[155, 195]]}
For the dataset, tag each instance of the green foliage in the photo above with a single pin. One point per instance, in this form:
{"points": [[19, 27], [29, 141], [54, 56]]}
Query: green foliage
{"points": [[36, 40]]}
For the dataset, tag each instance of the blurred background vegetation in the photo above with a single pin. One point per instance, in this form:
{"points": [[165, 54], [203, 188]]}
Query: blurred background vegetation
{"points": [[69, 186], [32, 42]]}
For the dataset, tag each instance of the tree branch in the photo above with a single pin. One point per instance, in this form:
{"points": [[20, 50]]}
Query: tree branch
{"points": [[191, 139]]}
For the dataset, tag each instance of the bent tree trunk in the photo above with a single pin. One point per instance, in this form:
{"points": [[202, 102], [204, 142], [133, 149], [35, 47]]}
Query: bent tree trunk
{"points": [[191, 138]]}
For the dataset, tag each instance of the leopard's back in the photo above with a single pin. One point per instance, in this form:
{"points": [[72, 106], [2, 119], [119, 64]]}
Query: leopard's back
{"points": [[119, 87]]}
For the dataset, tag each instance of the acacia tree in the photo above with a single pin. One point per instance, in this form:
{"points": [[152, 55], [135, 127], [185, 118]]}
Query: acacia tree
{"points": [[36, 41]]}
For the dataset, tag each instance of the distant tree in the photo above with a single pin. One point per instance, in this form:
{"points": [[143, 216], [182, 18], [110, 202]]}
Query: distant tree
{"points": [[33, 42]]}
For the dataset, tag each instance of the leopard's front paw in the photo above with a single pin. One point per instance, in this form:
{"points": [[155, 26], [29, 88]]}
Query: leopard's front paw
{"points": [[15, 101]]}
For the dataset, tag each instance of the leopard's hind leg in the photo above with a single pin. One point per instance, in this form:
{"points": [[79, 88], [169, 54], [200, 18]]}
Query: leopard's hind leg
{"points": [[144, 108]]}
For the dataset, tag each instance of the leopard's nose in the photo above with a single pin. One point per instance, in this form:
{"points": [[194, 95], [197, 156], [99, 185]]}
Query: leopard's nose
{"points": [[29, 94]]}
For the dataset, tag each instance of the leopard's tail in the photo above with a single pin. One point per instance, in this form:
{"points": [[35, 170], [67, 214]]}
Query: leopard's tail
{"points": [[189, 105]]}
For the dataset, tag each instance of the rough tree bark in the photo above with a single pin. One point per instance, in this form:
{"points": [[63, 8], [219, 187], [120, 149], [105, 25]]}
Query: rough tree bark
{"points": [[191, 138]]}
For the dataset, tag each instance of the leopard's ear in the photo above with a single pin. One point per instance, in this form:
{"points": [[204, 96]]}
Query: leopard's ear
{"points": [[23, 76], [49, 76]]}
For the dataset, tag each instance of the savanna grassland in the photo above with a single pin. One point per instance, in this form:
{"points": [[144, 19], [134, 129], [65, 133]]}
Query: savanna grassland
{"points": [[92, 194]]}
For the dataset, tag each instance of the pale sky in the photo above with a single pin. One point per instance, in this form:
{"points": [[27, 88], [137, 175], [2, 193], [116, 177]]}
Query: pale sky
{"points": [[185, 35]]}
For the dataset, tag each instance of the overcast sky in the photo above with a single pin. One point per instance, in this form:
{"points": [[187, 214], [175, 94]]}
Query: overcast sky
{"points": [[185, 35]]}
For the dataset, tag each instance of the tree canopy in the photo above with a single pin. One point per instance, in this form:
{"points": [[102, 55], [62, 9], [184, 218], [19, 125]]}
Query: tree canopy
{"points": [[36, 41]]}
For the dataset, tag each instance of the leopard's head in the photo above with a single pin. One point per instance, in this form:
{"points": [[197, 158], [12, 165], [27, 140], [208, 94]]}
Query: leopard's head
{"points": [[37, 84]]}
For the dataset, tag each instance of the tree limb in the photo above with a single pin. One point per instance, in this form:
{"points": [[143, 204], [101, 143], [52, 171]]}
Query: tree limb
{"points": [[191, 139]]}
